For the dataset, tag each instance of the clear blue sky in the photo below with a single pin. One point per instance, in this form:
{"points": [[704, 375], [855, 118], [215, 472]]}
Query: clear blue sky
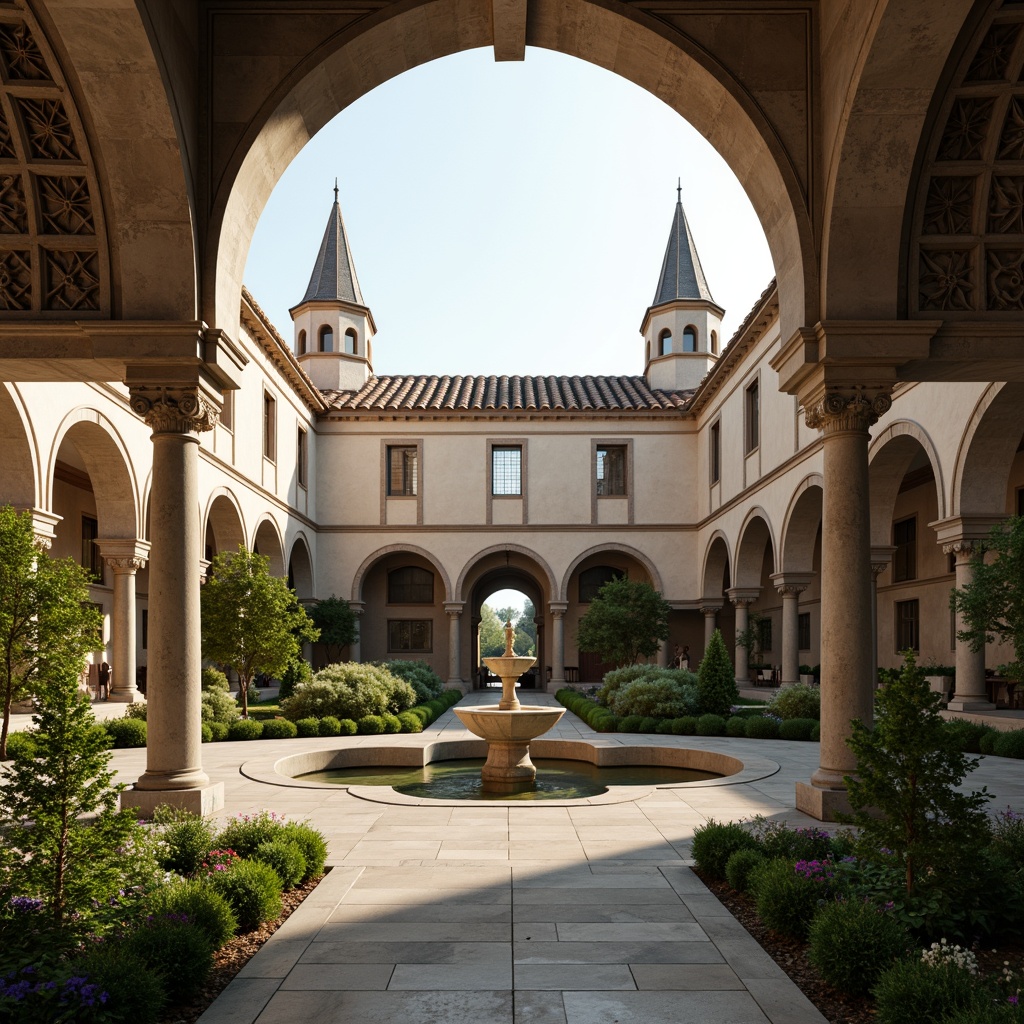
{"points": [[508, 218]]}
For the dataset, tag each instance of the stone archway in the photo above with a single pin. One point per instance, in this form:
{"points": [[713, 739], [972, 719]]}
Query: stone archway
{"points": [[267, 542], [756, 560], [300, 570], [224, 528], [21, 469]]}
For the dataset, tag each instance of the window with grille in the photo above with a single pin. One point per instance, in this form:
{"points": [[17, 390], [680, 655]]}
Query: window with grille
{"points": [[907, 626], [410, 585], [904, 559], [803, 628], [592, 580], [402, 469], [410, 636], [611, 471], [507, 470]]}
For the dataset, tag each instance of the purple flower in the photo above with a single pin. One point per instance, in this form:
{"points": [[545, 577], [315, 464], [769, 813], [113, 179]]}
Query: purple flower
{"points": [[1012, 1000]]}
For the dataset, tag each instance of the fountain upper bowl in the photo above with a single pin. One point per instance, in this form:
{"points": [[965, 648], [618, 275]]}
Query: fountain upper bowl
{"points": [[511, 666], [519, 726]]}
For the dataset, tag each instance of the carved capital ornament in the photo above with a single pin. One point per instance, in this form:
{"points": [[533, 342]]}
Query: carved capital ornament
{"points": [[128, 565], [847, 409], [174, 410]]}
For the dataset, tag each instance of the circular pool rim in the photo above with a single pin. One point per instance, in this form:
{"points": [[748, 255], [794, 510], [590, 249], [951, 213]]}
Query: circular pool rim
{"points": [[285, 771]]}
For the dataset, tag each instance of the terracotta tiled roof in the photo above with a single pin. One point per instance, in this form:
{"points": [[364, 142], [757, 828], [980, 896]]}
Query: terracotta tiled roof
{"points": [[527, 394]]}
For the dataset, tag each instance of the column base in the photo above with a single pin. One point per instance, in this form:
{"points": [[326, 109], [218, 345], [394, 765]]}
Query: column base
{"points": [[203, 801], [125, 697], [971, 705], [823, 804]]}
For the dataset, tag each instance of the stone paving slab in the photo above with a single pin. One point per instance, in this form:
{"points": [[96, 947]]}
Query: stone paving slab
{"points": [[414, 1007], [662, 1008]]}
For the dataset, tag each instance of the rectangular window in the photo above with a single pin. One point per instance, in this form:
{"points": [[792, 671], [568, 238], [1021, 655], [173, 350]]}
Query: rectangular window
{"points": [[752, 417], [611, 471], [716, 452], [765, 634], [402, 471], [907, 634], [803, 628], [410, 636], [91, 557], [904, 559], [145, 629], [227, 411], [507, 471], [302, 457], [269, 427]]}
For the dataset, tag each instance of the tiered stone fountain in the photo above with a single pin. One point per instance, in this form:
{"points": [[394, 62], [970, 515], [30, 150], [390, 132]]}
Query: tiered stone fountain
{"points": [[508, 728]]}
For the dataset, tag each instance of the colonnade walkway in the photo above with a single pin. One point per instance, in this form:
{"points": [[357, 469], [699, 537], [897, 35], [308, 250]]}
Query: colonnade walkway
{"points": [[582, 913]]}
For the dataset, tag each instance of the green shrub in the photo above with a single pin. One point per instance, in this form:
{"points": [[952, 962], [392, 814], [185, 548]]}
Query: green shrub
{"points": [[608, 723], [349, 690], [370, 725], [297, 673], [253, 890], [126, 732], [205, 732], [716, 680], [219, 706], [648, 725], [967, 735], [617, 678], [312, 844], [715, 842], [329, 726], [987, 743], [178, 951], [1008, 836], [213, 679], [286, 858], [420, 676], [796, 701], [655, 696], [187, 839], [392, 723], [307, 727], [739, 865], [816, 733], [279, 729], [852, 942], [711, 725], [761, 728], [777, 839], [1010, 744], [787, 900], [665, 727], [132, 986], [21, 743], [245, 729], [797, 728], [204, 907], [137, 709], [685, 726], [631, 723], [410, 722], [911, 991], [347, 727], [736, 725], [245, 832], [218, 730]]}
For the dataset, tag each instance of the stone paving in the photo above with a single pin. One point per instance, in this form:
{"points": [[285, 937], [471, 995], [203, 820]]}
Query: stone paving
{"points": [[569, 914]]}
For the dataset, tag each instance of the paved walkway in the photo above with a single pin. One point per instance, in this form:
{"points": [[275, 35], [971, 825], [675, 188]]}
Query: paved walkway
{"points": [[478, 914]]}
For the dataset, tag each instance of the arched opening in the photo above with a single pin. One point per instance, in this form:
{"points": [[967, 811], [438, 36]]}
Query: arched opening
{"points": [[267, 542], [757, 601], [300, 571], [302, 343], [665, 343], [508, 605], [19, 474], [224, 529], [326, 338], [351, 342], [689, 339], [800, 577]]}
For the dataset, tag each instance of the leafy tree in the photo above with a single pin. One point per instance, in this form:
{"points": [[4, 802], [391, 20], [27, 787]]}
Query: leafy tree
{"points": [[752, 638], [45, 619], [625, 622], [525, 624], [252, 622], [905, 796], [992, 604], [337, 624], [492, 633], [716, 679]]}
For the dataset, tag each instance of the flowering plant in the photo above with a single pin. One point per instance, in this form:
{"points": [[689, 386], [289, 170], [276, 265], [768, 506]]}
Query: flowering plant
{"points": [[26, 995], [219, 860], [941, 954]]}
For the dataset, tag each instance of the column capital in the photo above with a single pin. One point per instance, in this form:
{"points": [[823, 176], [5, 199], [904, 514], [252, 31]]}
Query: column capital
{"points": [[711, 607], [972, 530], [841, 408], [358, 607], [742, 597], [881, 558], [124, 554], [175, 408], [454, 608], [44, 525], [791, 582], [558, 608]]}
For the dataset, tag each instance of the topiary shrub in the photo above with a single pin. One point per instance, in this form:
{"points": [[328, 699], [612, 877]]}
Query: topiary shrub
{"points": [[797, 728], [186, 840], [762, 728], [307, 727], [312, 844], [911, 991], [329, 726], [347, 727], [648, 725], [205, 908], [176, 950], [796, 701], [716, 680], [787, 899], [370, 725], [218, 730], [655, 696], [740, 864], [279, 729], [205, 732], [286, 858], [715, 842], [392, 723], [617, 678], [426, 683], [685, 726], [852, 942], [126, 732], [1009, 744], [134, 988], [711, 725], [253, 890], [631, 723], [245, 729], [410, 722], [665, 727], [736, 726], [608, 723]]}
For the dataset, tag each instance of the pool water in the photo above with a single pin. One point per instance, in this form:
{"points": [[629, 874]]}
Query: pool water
{"points": [[460, 780]]}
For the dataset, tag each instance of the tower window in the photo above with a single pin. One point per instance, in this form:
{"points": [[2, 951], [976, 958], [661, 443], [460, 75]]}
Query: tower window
{"points": [[714, 343], [302, 458], [351, 341], [715, 452], [269, 427], [665, 343], [302, 343], [326, 339], [690, 339], [753, 417]]}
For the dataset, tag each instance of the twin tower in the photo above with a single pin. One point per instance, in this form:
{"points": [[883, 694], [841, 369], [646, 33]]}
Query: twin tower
{"points": [[334, 327]]}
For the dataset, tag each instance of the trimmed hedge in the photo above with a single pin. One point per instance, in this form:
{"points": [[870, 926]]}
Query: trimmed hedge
{"points": [[126, 732], [245, 729], [279, 729], [307, 727]]}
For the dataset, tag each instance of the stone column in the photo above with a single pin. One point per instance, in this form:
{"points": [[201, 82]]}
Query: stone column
{"points": [[355, 649], [454, 611], [125, 558], [791, 585], [970, 693], [663, 654], [742, 598], [844, 415], [174, 772], [709, 611], [881, 558], [558, 610]]}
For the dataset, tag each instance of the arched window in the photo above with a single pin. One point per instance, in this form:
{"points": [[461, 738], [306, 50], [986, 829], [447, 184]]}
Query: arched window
{"points": [[714, 343], [410, 585], [592, 580], [351, 340], [690, 339], [665, 342], [302, 343], [326, 339]]}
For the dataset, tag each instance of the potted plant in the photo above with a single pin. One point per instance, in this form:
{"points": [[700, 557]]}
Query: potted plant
{"points": [[806, 675], [939, 678]]}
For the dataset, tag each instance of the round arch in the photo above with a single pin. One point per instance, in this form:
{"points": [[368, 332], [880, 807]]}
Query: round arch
{"points": [[616, 36], [106, 459], [300, 568], [800, 526], [21, 459], [987, 451], [755, 534], [411, 549], [889, 457], [224, 518], [266, 539], [717, 566], [499, 549], [599, 549]]}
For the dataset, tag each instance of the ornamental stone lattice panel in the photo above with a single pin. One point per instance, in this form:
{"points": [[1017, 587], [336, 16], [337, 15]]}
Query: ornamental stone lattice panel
{"points": [[53, 253], [967, 247]]}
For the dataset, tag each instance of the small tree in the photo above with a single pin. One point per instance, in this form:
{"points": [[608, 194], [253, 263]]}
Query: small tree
{"points": [[252, 622], [337, 624], [905, 795], [626, 621], [992, 604], [45, 618], [716, 679], [752, 638]]}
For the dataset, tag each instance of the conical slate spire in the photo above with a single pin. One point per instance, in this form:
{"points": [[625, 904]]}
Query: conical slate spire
{"points": [[334, 274], [681, 274]]}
